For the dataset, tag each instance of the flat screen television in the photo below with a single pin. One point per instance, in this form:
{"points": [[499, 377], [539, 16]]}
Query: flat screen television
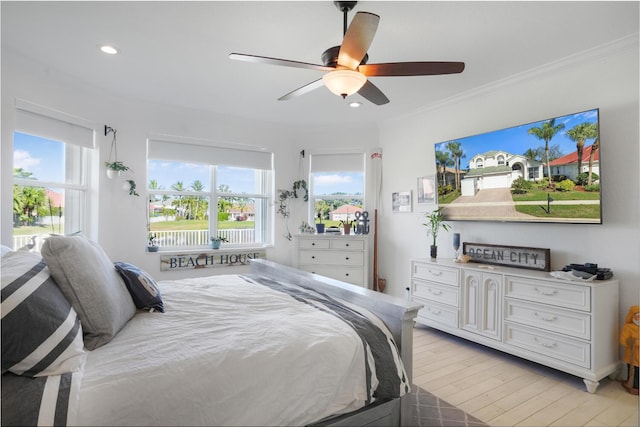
{"points": [[544, 171]]}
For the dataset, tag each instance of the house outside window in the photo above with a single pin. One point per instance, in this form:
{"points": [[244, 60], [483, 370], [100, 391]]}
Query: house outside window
{"points": [[197, 192], [336, 187], [52, 157]]}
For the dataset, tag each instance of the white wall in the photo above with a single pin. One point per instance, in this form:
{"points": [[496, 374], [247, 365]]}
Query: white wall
{"points": [[120, 221], [604, 78]]}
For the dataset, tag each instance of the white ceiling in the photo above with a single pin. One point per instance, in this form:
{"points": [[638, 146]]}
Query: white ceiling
{"points": [[176, 53]]}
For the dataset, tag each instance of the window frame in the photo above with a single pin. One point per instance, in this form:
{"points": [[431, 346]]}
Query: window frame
{"points": [[263, 178]]}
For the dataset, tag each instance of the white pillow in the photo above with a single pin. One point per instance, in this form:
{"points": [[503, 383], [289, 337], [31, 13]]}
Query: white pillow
{"points": [[4, 250]]}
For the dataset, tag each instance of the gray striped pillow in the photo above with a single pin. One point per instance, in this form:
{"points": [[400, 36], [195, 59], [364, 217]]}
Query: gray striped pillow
{"points": [[41, 332]]}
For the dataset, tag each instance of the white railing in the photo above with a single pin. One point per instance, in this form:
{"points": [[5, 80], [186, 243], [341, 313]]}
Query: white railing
{"points": [[201, 237], [163, 238]]}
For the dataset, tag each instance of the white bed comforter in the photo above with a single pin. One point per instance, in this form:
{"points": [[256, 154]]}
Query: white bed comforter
{"points": [[225, 352]]}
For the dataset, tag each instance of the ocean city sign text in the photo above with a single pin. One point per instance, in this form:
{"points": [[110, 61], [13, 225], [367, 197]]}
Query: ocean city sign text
{"points": [[511, 256], [209, 259]]}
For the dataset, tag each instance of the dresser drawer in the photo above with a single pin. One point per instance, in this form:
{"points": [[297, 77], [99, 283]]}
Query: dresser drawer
{"points": [[440, 274], [547, 344], [347, 244], [314, 243], [435, 292], [575, 324], [562, 295], [434, 313], [331, 258], [346, 274]]}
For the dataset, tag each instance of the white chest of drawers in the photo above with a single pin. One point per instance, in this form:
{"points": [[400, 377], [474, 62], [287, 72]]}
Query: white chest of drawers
{"points": [[570, 326], [342, 257]]}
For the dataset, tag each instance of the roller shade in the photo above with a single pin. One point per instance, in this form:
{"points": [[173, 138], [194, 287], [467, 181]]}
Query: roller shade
{"points": [[196, 153], [352, 162], [47, 123]]}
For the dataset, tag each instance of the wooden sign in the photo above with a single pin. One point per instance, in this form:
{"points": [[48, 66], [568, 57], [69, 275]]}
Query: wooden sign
{"points": [[510, 256], [209, 259]]}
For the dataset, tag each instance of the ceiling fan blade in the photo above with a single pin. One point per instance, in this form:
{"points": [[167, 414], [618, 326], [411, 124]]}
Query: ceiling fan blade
{"points": [[302, 90], [277, 61], [357, 39], [422, 68], [373, 94]]}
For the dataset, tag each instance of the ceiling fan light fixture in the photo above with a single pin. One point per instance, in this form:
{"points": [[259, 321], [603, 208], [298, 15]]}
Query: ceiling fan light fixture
{"points": [[344, 82]]}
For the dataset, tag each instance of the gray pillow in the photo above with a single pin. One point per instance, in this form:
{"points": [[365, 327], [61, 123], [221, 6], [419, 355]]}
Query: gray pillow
{"points": [[87, 277], [41, 333]]}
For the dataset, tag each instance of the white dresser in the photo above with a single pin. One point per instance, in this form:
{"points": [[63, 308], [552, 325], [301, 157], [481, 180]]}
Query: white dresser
{"points": [[567, 325], [342, 257]]}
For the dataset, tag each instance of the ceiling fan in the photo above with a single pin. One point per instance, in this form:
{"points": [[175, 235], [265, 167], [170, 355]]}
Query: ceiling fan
{"points": [[346, 65]]}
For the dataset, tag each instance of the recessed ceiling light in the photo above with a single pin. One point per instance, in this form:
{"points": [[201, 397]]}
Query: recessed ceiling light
{"points": [[355, 104], [109, 49]]}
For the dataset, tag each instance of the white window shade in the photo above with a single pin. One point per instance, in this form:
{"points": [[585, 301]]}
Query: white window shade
{"points": [[346, 162], [196, 153], [46, 123]]}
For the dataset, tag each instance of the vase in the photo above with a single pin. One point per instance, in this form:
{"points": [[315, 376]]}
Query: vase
{"points": [[320, 228], [112, 173], [434, 251], [215, 244], [153, 248], [347, 229]]}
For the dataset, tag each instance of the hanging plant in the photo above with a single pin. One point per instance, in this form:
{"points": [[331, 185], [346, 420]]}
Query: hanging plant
{"points": [[114, 167], [132, 187], [300, 185]]}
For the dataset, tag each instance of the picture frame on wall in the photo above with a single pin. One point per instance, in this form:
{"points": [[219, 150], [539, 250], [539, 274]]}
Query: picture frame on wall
{"points": [[401, 201], [427, 191]]}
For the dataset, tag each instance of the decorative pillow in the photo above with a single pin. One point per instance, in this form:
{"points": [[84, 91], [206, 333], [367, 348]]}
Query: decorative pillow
{"points": [[87, 277], [41, 332], [4, 250], [141, 286]]}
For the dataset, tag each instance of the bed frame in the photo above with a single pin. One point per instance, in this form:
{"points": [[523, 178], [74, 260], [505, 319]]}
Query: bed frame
{"points": [[397, 314]]}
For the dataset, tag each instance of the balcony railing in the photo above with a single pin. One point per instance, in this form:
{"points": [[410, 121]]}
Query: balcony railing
{"points": [[165, 238]]}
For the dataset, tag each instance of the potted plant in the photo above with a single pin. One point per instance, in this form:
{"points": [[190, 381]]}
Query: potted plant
{"points": [[152, 246], [114, 168], [216, 241], [346, 225], [435, 221], [130, 186], [320, 225]]}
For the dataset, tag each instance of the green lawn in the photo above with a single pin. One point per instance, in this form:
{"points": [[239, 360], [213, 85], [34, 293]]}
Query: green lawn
{"points": [[185, 224], [535, 195], [561, 211]]}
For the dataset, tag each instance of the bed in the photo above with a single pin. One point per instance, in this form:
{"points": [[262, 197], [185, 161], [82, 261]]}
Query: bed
{"points": [[275, 346]]}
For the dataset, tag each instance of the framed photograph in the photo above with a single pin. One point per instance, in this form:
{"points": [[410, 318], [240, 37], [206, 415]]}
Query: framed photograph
{"points": [[401, 201], [427, 192]]}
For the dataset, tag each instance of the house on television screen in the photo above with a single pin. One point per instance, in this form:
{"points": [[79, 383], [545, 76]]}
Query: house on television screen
{"points": [[567, 166], [498, 169]]}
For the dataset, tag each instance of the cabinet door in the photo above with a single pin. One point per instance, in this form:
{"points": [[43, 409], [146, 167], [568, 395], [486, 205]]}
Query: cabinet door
{"points": [[481, 303]]}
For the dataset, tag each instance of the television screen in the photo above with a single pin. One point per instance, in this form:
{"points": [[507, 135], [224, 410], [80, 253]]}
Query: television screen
{"points": [[545, 171]]}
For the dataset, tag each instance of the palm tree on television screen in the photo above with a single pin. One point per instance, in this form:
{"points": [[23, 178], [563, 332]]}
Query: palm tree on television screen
{"points": [[545, 133]]}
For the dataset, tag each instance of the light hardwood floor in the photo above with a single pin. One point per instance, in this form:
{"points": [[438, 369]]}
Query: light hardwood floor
{"points": [[503, 390]]}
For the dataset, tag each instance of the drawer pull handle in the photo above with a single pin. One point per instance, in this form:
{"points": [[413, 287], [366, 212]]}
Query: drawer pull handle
{"points": [[313, 243], [544, 344], [347, 274], [546, 293], [436, 273], [436, 312], [436, 292], [313, 257], [346, 258], [347, 245], [547, 318]]}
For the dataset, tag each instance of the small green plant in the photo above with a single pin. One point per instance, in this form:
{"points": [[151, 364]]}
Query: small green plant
{"points": [[219, 239], [592, 188], [152, 239], [566, 185], [132, 188], [435, 222], [300, 185], [116, 166], [521, 186]]}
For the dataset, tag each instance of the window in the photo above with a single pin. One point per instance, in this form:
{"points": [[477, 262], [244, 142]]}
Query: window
{"points": [[336, 187], [51, 160], [197, 192]]}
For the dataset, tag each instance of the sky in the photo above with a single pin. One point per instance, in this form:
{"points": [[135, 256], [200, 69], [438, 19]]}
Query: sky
{"points": [[45, 160], [516, 140]]}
